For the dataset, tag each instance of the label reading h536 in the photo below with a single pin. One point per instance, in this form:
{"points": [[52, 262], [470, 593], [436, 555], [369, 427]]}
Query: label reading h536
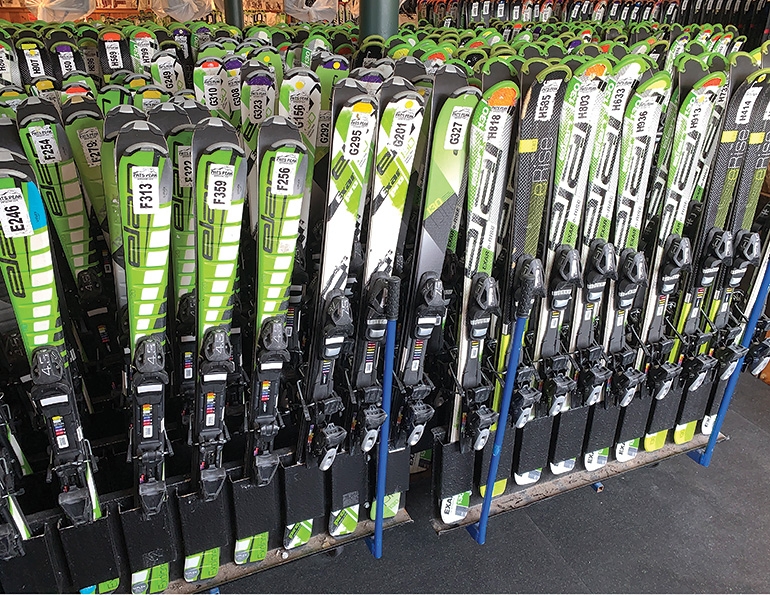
{"points": [[14, 215], [145, 190]]}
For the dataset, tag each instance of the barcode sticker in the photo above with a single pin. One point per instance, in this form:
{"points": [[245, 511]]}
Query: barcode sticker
{"points": [[458, 124], [145, 190], [91, 141], [219, 193], [14, 215], [284, 172], [46, 147]]}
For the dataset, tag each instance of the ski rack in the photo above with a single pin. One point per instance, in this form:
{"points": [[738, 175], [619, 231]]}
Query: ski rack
{"points": [[70, 559], [554, 485]]}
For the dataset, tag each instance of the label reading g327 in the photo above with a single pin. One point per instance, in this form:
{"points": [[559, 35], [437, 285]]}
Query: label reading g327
{"points": [[455, 132], [145, 190], [219, 193], [14, 215], [284, 172]]}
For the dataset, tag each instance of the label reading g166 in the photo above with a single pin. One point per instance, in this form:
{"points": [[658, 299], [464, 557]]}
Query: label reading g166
{"points": [[219, 193], [14, 215], [455, 132], [284, 172], [145, 190]]}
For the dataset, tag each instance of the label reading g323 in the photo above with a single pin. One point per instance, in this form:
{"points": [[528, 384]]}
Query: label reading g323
{"points": [[145, 190], [284, 172], [219, 193], [14, 215]]}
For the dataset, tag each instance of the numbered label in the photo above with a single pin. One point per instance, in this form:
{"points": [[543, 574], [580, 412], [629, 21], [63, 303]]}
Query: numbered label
{"points": [[91, 142], [184, 164], [219, 192], [284, 172], [458, 124], [14, 215], [145, 190], [46, 147]]}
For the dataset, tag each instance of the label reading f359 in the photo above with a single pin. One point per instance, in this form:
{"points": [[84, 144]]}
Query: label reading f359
{"points": [[14, 215], [284, 171], [219, 193], [455, 132], [46, 147], [145, 190]]}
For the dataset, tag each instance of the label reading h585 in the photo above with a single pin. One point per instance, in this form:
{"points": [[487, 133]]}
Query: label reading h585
{"points": [[14, 215]]}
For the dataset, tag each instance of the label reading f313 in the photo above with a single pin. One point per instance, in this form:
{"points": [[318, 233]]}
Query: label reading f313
{"points": [[14, 215], [145, 190]]}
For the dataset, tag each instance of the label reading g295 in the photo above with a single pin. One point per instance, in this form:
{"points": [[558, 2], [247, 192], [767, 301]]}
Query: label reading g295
{"points": [[145, 190], [14, 215]]}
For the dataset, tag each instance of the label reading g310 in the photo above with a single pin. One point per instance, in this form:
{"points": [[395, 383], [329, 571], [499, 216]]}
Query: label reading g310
{"points": [[14, 215], [145, 190], [219, 193]]}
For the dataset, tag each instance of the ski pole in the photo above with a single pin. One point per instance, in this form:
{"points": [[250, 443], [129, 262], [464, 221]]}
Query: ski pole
{"points": [[530, 283], [703, 457], [391, 312]]}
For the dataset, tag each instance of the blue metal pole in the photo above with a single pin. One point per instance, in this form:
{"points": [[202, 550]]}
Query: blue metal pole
{"points": [[704, 456], [479, 530], [391, 311]]}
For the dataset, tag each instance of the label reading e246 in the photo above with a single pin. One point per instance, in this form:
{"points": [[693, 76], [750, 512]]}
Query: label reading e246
{"points": [[14, 215]]}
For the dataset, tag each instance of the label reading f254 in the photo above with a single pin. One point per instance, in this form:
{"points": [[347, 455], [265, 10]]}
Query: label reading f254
{"points": [[145, 190], [91, 141], [458, 124], [46, 147], [14, 215], [219, 193], [400, 129], [284, 171]]}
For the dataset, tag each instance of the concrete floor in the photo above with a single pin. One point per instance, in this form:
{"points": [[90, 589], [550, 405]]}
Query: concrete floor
{"points": [[673, 528]]}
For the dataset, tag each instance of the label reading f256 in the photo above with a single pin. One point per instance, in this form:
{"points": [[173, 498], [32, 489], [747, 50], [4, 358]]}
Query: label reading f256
{"points": [[359, 133], [284, 171], [14, 215], [46, 147], [219, 192], [145, 190], [91, 141], [458, 124]]}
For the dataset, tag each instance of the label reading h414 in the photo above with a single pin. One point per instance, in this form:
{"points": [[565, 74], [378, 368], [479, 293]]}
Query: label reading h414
{"points": [[14, 215], [145, 190], [455, 132], [219, 192], [91, 141], [46, 147], [284, 172]]}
